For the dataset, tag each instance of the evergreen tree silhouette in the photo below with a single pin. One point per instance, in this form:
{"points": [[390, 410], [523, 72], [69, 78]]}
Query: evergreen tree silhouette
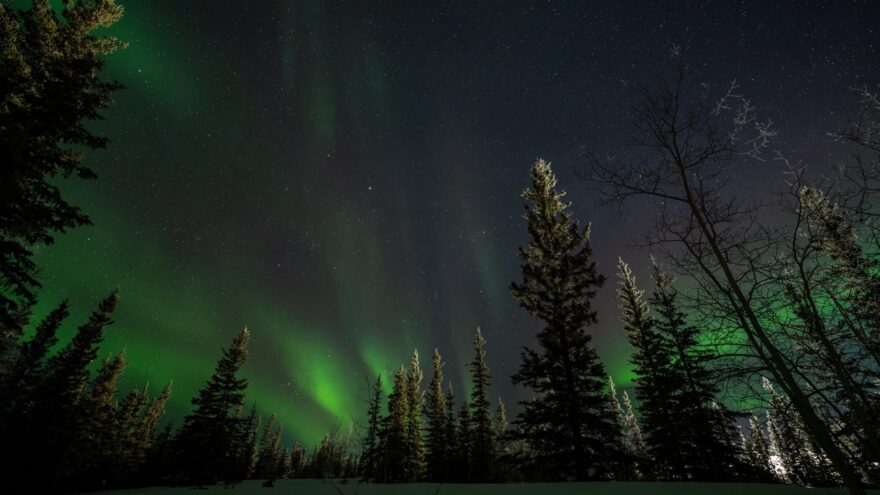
{"points": [[568, 423], [415, 399], [53, 80], [370, 456], [482, 454], [395, 432], [206, 440], [435, 411]]}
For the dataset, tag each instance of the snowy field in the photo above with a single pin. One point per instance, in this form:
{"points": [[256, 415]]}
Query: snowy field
{"points": [[318, 487]]}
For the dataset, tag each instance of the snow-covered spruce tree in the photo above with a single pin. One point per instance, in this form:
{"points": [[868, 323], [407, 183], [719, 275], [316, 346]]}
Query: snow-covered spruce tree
{"points": [[205, 442], [617, 412], [758, 450], [633, 431], [370, 454], [483, 430], [631, 440], [394, 438], [707, 454], [416, 400], [795, 448], [568, 424], [855, 362], [656, 384], [435, 411]]}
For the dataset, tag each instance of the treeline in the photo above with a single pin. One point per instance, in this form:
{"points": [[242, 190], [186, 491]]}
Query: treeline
{"points": [[66, 427], [425, 436], [574, 427]]}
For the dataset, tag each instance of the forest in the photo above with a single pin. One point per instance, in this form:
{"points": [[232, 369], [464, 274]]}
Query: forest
{"points": [[755, 344]]}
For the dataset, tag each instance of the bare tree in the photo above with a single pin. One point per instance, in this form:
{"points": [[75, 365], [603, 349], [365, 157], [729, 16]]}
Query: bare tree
{"points": [[692, 145]]}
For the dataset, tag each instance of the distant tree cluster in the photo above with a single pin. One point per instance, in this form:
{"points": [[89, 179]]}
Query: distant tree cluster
{"points": [[423, 438]]}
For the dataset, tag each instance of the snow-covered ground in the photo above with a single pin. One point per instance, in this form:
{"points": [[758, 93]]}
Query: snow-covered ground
{"points": [[318, 487]]}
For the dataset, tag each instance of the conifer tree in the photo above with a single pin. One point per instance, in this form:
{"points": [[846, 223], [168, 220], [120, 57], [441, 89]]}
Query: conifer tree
{"points": [[503, 452], [656, 385], [757, 449], [371, 455], [246, 462], [500, 421], [53, 418], [634, 432], [619, 415], [128, 433], [159, 456], [796, 450], [453, 446], [483, 430], [708, 456], [206, 440], [297, 461], [100, 429], [27, 366], [416, 402], [284, 466], [435, 411], [267, 458], [395, 432], [630, 435], [53, 80], [568, 424]]}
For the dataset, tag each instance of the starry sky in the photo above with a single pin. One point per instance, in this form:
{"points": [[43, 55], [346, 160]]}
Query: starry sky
{"points": [[344, 177]]}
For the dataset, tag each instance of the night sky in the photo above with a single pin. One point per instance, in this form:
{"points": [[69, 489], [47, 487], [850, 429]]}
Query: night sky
{"points": [[344, 177]]}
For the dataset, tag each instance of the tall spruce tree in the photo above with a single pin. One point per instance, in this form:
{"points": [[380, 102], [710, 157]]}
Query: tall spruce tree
{"points": [[49, 422], [707, 454], [206, 440], [758, 450], [395, 436], [26, 367], [568, 424], [416, 401], [435, 411], [53, 80], [267, 456], [656, 385], [370, 456], [100, 428], [483, 430], [503, 451]]}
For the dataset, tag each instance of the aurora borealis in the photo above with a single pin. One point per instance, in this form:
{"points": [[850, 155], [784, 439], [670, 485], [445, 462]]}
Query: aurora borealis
{"points": [[344, 177]]}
